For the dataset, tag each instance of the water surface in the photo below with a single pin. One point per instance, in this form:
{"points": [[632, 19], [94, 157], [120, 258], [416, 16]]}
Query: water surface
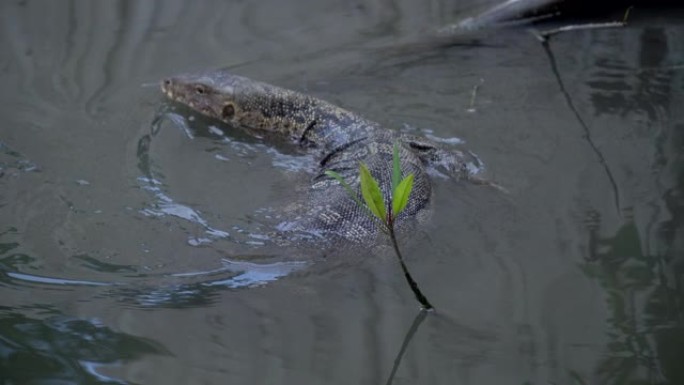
{"points": [[134, 237]]}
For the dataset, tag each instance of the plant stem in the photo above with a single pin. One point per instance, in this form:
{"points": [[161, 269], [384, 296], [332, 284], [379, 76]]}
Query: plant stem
{"points": [[414, 286]]}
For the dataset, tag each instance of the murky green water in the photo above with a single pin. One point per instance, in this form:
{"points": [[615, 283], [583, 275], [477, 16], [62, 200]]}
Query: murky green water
{"points": [[132, 246]]}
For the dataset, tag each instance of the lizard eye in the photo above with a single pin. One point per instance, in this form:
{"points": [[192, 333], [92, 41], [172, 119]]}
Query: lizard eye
{"points": [[200, 90], [228, 111], [420, 146]]}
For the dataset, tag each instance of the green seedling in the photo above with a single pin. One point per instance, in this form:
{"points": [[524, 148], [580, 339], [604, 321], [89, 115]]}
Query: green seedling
{"points": [[386, 213]]}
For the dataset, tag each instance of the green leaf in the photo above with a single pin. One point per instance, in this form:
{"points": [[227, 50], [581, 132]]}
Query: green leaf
{"points": [[340, 179], [355, 197], [344, 184], [371, 194], [396, 167], [401, 195]]}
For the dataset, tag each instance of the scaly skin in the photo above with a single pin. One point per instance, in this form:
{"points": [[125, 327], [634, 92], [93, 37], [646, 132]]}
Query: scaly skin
{"points": [[258, 106], [341, 138]]}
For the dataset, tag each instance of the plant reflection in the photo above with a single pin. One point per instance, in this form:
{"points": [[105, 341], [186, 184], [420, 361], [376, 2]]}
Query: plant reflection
{"points": [[420, 317]]}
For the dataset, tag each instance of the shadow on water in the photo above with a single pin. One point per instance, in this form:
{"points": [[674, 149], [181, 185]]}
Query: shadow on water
{"points": [[61, 349]]}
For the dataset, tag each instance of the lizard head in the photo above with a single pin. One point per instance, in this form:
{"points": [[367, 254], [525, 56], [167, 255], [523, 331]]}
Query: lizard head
{"points": [[453, 163], [212, 94], [221, 95]]}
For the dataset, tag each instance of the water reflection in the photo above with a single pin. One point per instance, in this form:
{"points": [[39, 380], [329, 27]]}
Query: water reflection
{"points": [[582, 123], [13, 163], [638, 86], [151, 181], [56, 348], [201, 288], [150, 290], [72, 102], [638, 265], [236, 147], [645, 323]]}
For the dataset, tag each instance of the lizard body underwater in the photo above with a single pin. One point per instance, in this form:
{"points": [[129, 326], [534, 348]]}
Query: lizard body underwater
{"points": [[340, 139]]}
